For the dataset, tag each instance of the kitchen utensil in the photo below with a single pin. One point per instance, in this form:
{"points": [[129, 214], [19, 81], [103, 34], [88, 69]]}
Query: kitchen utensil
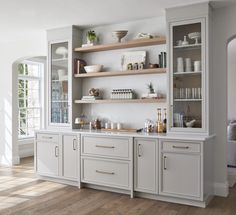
{"points": [[93, 68], [196, 36], [119, 34]]}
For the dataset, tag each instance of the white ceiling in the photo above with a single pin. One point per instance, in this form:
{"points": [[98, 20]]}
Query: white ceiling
{"points": [[30, 15]]}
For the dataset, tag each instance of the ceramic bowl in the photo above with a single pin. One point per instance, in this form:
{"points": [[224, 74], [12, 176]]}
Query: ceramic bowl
{"points": [[93, 68], [119, 34]]}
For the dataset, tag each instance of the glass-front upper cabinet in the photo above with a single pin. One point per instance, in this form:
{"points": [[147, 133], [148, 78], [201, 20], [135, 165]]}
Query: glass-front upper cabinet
{"points": [[187, 75], [58, 84]]}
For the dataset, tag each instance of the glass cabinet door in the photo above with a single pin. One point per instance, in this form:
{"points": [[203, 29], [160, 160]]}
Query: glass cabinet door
{"points": [[187, 73], [59, 102]]}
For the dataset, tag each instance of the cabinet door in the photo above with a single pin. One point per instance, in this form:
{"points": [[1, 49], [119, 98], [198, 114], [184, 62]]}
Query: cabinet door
{"points": [[47, 158], [59, 84], [181, 175], [145, 165], [70, 149]]}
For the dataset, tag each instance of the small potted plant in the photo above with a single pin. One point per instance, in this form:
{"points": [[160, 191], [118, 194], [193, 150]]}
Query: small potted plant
{"points": [[91, 37], [150, 88]]}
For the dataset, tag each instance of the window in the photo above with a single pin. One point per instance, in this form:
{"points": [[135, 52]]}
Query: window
{"points": [[29, 98]]}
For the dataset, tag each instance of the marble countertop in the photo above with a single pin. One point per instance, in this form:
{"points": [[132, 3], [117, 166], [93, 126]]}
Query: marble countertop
{"points": [[131, 134]]}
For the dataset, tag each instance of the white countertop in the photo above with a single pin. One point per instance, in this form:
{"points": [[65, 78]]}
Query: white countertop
{"points": [[130, 134]]}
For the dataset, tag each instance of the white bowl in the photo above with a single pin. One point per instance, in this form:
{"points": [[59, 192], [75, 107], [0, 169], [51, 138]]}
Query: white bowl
{"points": [[93, 68], [119, 34]]}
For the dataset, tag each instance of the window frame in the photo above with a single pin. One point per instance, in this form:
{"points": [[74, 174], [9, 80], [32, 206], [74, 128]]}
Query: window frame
{"points": [[39, 78]]}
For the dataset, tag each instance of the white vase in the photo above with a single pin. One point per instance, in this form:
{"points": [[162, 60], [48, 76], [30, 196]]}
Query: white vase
{"points": [[180, 64]]}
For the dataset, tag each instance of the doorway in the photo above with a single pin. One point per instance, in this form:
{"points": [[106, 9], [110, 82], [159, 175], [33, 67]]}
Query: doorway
{"points": [[231, 112]]}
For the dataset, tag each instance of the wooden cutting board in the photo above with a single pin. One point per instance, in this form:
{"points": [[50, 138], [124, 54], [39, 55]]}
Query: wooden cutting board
{"points": [[120, 130]]}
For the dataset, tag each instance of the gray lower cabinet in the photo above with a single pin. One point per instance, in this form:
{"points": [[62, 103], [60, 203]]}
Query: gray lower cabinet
{"points": [[145, 165]]}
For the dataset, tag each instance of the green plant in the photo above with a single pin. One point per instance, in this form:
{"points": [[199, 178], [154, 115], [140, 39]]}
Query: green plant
{"points": [[91, 36], [150, 87]]}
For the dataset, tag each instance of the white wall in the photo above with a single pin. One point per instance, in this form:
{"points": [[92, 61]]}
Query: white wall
{"points": [[224, 28], [30, 44], [232, 80], [131, 115]]}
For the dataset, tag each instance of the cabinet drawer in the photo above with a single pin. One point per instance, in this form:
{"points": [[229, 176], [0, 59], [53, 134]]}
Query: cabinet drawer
{"points": [[106, 173], [47, 137], [176, 146], [106, 146]]}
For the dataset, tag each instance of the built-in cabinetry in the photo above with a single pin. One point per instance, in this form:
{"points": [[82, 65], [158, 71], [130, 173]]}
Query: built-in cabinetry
{"points": [[180, 169], [57, 155], [107, 161], [146, 165], [61, 85], [188, 43]]}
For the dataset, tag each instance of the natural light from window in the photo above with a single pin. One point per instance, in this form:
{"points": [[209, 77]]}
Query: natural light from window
{"points": [[29, 98]]}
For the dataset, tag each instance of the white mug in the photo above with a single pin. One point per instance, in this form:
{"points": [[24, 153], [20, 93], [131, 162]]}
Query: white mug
{"points": [[188, 66], [119, 126], [107, 125]]}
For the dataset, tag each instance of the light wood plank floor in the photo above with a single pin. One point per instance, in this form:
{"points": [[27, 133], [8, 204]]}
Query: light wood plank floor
{"points": [[21, 193]]}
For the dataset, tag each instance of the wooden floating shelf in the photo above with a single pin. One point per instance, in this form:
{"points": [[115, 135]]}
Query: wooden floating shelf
{"points": [[123, 45], [122, 73], [110, 101]]}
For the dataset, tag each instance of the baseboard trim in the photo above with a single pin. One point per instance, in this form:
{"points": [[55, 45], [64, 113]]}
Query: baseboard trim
{"points": [[221, 189]]}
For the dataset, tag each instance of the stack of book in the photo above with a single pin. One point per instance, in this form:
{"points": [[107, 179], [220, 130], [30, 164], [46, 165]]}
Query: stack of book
{"points": [[91, 98], [162, 60]]}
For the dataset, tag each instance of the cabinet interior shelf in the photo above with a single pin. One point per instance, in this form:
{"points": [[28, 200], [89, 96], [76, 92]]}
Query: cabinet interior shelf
{"points": [[186, 73], [123, 45], [188, 47], [104, 101], [122, 73], [187, 100]]}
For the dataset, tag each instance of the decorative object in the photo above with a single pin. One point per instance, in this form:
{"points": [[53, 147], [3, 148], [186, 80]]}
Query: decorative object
{"points": [[188, 65], [141, 66], [153, 65], [94, 92], [97, 124], [107, 125], [132, 57], [119, 125], [91, 37], [148, 126], [162, 60], [119, 34], [62, 51], [130, 66], [93, 68], [122, 94], [79, 66], [180, 64], [113, 125], [190, 124], [195, 36], [144, 36], [159, 125], [197, 66], [179, 42], [185, 42], [150, 88], [81, 121], [135, 66]]}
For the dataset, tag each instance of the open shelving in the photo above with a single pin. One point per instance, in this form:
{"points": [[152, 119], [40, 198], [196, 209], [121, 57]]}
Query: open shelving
{"points": [[110, 101], [122, 45], [122, 73]]}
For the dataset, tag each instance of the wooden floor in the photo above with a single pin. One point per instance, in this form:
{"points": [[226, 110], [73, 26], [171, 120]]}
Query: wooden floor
{"points": [[22, 193]]}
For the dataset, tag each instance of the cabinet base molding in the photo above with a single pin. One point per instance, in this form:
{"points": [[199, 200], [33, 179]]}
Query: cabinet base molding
{"points": [[221, 189], [109, 189], [59, 180], [201, 204]]}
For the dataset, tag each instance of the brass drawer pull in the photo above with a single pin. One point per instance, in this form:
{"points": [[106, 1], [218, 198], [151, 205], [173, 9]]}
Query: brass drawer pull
{"points": [[180, 147], [107, 147], [103, 172]]}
